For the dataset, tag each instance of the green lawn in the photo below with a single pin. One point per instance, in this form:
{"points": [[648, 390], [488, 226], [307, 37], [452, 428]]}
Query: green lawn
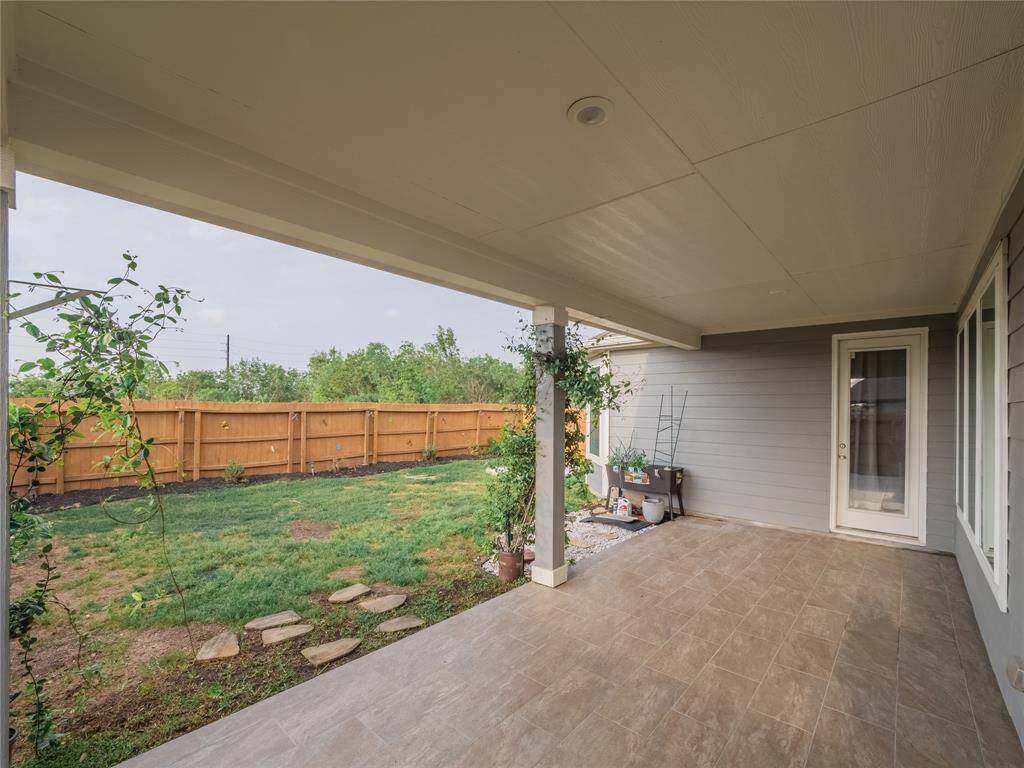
{"points": [[241, 552]]}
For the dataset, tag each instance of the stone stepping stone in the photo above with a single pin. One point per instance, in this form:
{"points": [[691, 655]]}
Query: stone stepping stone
{"points": [[348, 594], [400, 624], [382, 604], [328, 652], [274, 620], [222, 646], [581, 543], [280, 634]]}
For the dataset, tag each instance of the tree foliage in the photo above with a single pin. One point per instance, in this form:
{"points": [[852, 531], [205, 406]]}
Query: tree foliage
{"points": [[436, 372], [92, 370], [511, 493]]}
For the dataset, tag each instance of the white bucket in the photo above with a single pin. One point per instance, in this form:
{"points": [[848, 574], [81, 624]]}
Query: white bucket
{"points": [[654, 510]]}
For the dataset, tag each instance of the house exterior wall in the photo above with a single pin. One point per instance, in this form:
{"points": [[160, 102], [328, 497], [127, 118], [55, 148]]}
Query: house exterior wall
{"points": [[1003, 632], [756, 441]]}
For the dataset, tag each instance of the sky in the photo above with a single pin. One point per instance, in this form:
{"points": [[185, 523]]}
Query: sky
{"points": [[279, 303]]}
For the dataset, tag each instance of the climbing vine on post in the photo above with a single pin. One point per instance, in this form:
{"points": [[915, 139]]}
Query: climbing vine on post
{"points": [[511, 492], [93, 365]]}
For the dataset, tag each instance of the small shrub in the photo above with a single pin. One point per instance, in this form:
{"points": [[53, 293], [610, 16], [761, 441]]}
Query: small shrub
{"points": [[430, 453], [234, 473]]}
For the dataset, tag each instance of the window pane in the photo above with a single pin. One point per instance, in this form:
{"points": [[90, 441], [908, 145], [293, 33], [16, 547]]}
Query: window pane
{"points": [[970, 408], [987, 391], [594, 437], [878, 430], [960, 421]]}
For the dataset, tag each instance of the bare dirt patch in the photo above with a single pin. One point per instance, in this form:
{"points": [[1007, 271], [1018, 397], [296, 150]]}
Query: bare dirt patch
{"points": [[304, 530], [348, 573]]}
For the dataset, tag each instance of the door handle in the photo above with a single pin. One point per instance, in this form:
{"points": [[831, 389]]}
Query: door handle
{"points": [[842, 447]]}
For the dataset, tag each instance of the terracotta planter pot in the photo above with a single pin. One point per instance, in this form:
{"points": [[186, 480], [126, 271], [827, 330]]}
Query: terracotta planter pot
{"points": [[510, 566]]}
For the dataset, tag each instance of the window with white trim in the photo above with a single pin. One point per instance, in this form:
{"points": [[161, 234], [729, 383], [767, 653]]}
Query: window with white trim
{"points": [[596, 439], [981, 416]]}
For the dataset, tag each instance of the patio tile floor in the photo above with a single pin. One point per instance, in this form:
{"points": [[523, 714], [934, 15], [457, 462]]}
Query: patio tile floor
{"points": [[700, 643]]}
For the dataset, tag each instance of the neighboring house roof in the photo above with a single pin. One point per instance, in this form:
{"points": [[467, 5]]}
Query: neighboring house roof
{"points": [[610, 341]]}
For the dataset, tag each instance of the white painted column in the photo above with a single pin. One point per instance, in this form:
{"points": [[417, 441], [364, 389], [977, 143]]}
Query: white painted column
{"points": [[549, 567], [6, 200]]}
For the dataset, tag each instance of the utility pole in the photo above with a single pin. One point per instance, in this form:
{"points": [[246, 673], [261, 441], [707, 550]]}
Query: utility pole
{"points": [[227, 356]]}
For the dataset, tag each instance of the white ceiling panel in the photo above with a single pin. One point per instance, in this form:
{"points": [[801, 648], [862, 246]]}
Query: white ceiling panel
{"points": [[917, 173], [718, 76], [760, 305], [454, 112], [934, 281], [676, 238]]}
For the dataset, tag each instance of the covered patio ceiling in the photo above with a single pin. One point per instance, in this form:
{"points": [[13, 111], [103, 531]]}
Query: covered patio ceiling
{"points": [[763, 165]]}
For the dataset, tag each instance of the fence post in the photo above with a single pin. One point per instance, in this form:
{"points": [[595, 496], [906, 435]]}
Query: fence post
{"points": [[376, 418], [426, 434], [434, 441], [197, 442], [302, 442], [477, 442], [179, 446], [366, 437], [59, 478], [289, 450]]}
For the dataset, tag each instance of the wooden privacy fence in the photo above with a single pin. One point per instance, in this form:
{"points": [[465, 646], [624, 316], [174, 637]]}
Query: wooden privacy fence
{"points": [[195, 439]]}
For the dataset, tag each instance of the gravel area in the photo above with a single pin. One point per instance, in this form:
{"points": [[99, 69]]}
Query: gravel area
{"points": [[585, 539]]}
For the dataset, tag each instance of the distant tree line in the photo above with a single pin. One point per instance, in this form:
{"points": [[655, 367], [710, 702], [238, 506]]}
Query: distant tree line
{"points": [[436, 372]]}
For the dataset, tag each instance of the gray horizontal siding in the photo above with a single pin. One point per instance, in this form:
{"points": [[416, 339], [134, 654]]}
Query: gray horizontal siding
{"points": [[1004, 632], [756, 439]]}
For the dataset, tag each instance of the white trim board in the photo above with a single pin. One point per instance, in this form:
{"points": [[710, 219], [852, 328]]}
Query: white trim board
{"points": [[921, 435]]}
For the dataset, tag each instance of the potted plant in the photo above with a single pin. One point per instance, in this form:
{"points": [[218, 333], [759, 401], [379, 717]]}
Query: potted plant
{"points": [[510, 497]]}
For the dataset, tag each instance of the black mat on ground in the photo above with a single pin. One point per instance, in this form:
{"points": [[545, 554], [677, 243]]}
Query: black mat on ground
{"points": [[638, 525]]}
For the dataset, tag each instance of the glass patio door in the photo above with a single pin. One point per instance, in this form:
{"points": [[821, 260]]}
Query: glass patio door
{"points": [[880, 445]]}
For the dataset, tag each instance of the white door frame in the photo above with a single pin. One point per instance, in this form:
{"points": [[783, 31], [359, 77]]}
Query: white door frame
{"points": [[921, 436]]}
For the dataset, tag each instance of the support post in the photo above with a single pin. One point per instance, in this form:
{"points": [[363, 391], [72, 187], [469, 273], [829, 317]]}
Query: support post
{"points": [[5, 537], [549, 567]]}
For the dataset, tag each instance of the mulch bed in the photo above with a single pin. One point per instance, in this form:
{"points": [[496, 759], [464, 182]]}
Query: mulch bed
{"points": [[52, 502]]}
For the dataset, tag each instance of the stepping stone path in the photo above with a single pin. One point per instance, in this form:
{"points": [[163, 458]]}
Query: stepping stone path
{"points": [[280, 634], [222, 646], [348, 594], [274, 620], [382, 604], [328, 652], [400, 624]]}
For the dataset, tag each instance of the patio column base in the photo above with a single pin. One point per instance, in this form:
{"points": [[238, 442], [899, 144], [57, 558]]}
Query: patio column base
{"points": [[547, 577], [549, 510]]}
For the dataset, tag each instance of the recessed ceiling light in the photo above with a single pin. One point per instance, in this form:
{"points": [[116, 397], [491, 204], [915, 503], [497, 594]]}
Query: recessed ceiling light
{"points": [[590, 112]]}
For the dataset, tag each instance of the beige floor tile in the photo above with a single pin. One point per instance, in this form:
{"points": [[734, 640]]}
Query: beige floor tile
{"points": [[868, 695], [642, 700], [868, 652], [568, 701], [783, 598], [807, 653], [685, 601], [736, 599], [595, 743], [1000, 743], [654, 624], [712, 624], [680, 742], [682, 657], [790, 696], [618, 658], [835, 597], [709, 581], [821, 622], [763, 742], [513, 743], [746, 655], [940, 692], [767, 623], [841, 741], [924, 741], [717, 698]]}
